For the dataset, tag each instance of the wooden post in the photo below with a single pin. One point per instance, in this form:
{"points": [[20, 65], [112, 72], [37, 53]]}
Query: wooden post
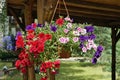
{"points": [[29, 20], [50, 75], [40, 11], [28, 14], [113, 54]]}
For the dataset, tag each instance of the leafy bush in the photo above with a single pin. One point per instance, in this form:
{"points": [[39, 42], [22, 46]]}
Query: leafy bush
{"points": [[7, 55]]}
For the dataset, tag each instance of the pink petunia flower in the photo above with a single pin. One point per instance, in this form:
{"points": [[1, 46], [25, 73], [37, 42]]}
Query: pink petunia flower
{"points": [[68, 19], [83, 31], [75, 39], [84, 49], [64, 40], [69, 25], [88, 46], [79, 29], [66, 31], [94, 47], [76, 33]]}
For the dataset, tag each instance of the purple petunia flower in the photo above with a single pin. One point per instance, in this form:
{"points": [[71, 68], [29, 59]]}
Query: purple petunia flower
{"points": [[92, 36], [40, 25], [100, 48], [81, 45], [53, 28], [89, 28], [94, 60], [97, 54], [29, 27], [83, 38], [19, 33]]}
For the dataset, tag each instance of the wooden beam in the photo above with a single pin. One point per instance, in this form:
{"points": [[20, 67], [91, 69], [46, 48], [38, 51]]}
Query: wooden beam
{"points": [[12, 11], [84, 4], [28, 12], [40, 11], [49, 8], [91, 12], [110, 2], [89, 15], [113, 66], [15, 1], [15, 6]]}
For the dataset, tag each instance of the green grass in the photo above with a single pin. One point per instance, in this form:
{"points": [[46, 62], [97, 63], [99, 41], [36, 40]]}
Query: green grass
{"points": [[8, 64], [73, 71], [82, 71]]}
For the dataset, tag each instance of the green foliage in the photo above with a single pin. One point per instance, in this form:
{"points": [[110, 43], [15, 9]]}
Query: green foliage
{"points": [[3, 17], [118, 58], [104, 37], [7, 55]]}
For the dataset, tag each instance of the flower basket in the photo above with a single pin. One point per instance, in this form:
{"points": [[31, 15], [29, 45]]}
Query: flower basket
{"points": [[64, 53]]}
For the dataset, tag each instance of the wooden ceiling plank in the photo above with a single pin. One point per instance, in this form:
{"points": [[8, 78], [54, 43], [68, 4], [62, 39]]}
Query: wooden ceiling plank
{"points": [[16, 2], [90, 15], [90, 7], [93, 13], [110, 2], [92, 10]]}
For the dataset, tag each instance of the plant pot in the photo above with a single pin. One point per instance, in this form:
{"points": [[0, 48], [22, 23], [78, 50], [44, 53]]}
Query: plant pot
{"points": [[64, 53]]}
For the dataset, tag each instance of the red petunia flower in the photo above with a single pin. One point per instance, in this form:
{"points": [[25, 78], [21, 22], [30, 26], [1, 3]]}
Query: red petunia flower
{"points": [[43, 69], [57, 63], [34, 25], [23, 70], [20, 42], [17, 64], [60, 21], [48, 36], [30, 36], [53, 71], [41, 35], [48, 64], [43, 78]]}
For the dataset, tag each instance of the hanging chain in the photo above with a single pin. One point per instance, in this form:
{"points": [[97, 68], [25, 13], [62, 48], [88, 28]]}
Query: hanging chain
{"points": [[66, 8], [54, 11], [59, 9]]}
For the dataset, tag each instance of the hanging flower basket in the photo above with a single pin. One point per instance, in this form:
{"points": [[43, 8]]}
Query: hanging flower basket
{"points": [[64, 53]]}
